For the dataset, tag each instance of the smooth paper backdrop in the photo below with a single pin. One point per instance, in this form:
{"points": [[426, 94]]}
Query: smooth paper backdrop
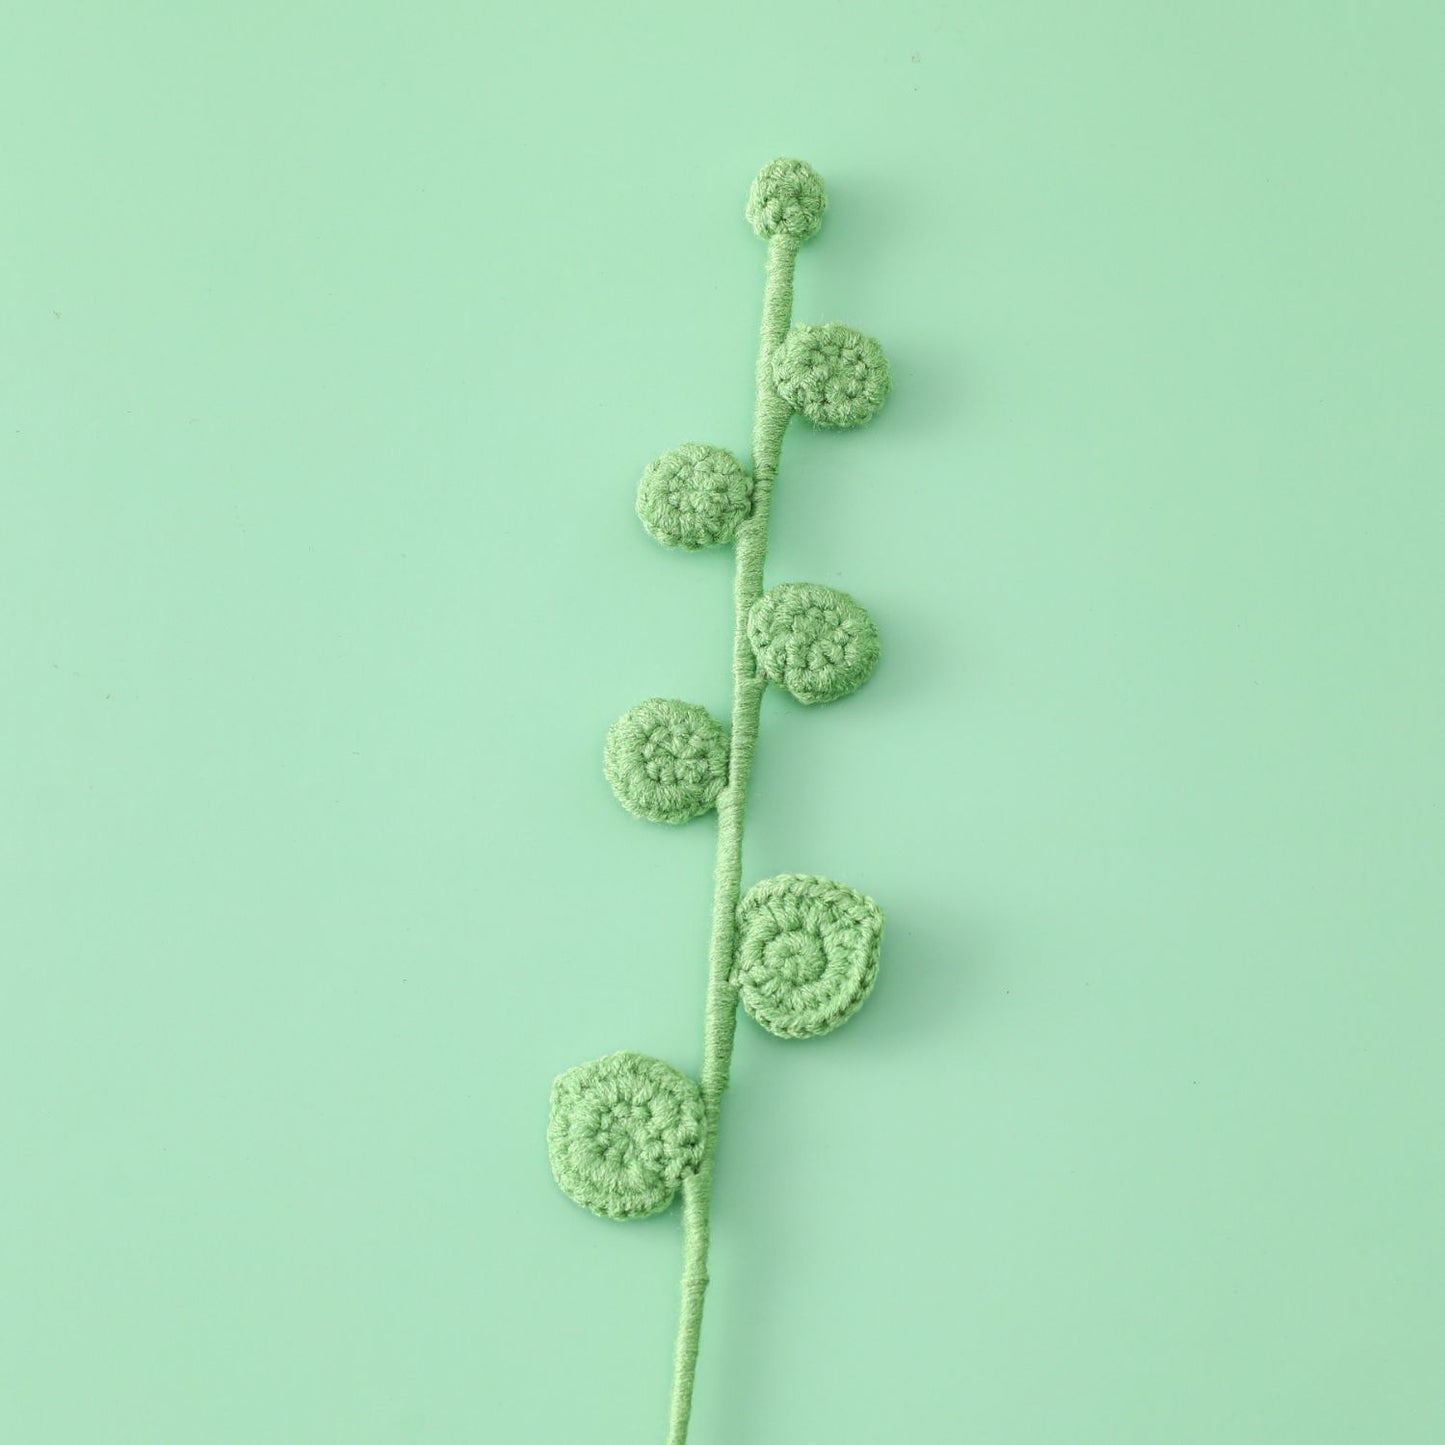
{"points": [[335, 338]]}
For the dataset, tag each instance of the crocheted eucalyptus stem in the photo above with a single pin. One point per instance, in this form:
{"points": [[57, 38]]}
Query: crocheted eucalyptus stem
{"points": [[770, 422], [799, 952]]}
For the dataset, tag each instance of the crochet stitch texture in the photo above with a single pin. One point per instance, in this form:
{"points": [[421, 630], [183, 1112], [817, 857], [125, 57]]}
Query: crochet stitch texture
{"points": [[807, 953], [832, 374], [815, 641], [666, 760], [625, 1131], [694, 496], [628, 1132]]}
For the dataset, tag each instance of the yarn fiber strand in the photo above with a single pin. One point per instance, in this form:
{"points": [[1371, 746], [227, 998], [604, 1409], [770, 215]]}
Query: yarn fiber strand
{"points": [[770, 422]]}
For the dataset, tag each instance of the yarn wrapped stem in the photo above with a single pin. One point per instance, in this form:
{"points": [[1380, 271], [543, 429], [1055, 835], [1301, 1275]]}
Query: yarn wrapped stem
{"points": [[770, 422]]}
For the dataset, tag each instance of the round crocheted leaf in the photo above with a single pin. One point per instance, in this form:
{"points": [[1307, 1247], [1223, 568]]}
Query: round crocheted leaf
{"points": [[787, 199], [817, 642], [807, 953], [833, 374], [624, 1132], [667, 760], [694, 496]]}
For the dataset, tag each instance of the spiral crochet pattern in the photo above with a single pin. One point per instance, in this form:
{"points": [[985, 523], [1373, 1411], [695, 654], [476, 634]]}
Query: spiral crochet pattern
{"points": [[666, 760], [832, 374], [807, 953], [787, 199], [694, 496], [816, 641], [625, 1131]]}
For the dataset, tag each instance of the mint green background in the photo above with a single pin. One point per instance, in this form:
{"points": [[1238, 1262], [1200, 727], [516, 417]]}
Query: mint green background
{"points": [[334, 339]]}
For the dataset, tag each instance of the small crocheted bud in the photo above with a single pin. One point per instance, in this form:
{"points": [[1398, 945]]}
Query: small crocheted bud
{"points": [[815, 641], [787, 199], [666, 760], [807, 953], [694, 496], [624, 1132], [833, 374]]}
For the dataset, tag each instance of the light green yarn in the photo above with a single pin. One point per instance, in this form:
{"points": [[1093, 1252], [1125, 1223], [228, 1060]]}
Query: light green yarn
{"points": [[834, 375], [666, 760], [818, 642], [787, 199], [627, 1131], [624, 1132], [694, 496], [807, 953]]}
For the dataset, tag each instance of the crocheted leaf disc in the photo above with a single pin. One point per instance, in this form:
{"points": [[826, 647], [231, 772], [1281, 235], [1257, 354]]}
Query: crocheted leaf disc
{"points": [[833, 374], [625, 1130], [667, 760], [787, 198], [807, 953], [694, 496], [817, 642]]}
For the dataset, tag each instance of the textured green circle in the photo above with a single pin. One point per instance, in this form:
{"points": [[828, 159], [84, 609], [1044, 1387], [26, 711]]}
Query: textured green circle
{"points": [[787, 199], [694, 496], [815, 641], [833, 374], [624, 1132], [666, 760], [807, 953]]}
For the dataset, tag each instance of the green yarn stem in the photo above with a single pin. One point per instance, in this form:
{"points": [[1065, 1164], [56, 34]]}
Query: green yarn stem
{"points": [[770, 422]]}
